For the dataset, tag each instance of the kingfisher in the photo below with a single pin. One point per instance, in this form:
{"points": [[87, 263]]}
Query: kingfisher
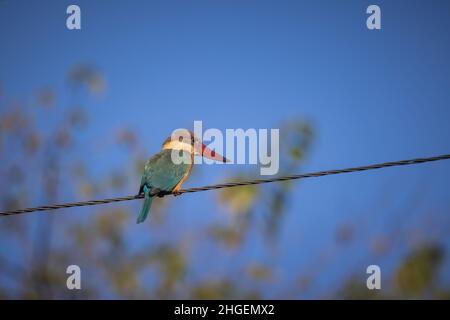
{"points": [[162, 175]]}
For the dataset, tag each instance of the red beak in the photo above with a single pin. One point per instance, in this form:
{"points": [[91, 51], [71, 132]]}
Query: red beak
{"points": [[211, 154]]}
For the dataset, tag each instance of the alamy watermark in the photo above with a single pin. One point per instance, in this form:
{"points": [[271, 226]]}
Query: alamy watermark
{"points": [[73, 21], [73, 281], [374, 280], [239, 146], [373, 22]]}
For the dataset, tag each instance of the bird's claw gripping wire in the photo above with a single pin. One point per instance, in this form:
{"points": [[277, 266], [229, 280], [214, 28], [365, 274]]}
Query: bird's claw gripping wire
{"points": [[159, 193]]}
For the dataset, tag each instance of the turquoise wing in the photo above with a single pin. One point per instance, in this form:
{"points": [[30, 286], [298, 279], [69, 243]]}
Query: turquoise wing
{"points": [[160, 172]]}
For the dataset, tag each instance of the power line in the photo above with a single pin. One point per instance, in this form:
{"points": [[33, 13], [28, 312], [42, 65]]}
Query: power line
{"points": [[231, 184]]}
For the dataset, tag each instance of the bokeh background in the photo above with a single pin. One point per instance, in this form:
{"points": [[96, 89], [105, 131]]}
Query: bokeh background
{"points": [[82, 110]]}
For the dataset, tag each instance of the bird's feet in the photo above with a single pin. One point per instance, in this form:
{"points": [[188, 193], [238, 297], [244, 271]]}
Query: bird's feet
{"points": [[158, 192], [176, 193]]}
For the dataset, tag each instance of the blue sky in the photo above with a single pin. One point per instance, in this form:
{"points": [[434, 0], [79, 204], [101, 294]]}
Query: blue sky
{"points": [[373, 96]]}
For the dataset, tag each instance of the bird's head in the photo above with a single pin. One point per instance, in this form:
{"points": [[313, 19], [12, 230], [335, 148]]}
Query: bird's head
{"points": [[185, 140]]}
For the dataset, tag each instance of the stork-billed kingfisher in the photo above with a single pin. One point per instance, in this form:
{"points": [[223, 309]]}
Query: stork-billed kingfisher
{"points": [[163, 175]]}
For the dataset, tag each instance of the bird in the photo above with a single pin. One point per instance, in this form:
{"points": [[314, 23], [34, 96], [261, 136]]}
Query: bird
{"points": [[162, 175]]}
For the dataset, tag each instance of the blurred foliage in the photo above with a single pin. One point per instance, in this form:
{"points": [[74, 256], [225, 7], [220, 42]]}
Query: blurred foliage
{"points": [[259, 272], [222, 289], [89, 77], [46, 97], [239, 202], [415, 277], [159, 259]]}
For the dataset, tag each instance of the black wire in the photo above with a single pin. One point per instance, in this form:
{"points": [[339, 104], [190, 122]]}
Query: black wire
{"points": [[231, 184]]}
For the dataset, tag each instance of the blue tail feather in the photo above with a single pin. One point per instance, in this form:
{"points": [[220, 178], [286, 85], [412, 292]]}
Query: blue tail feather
{"points": [[146, 206]]}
